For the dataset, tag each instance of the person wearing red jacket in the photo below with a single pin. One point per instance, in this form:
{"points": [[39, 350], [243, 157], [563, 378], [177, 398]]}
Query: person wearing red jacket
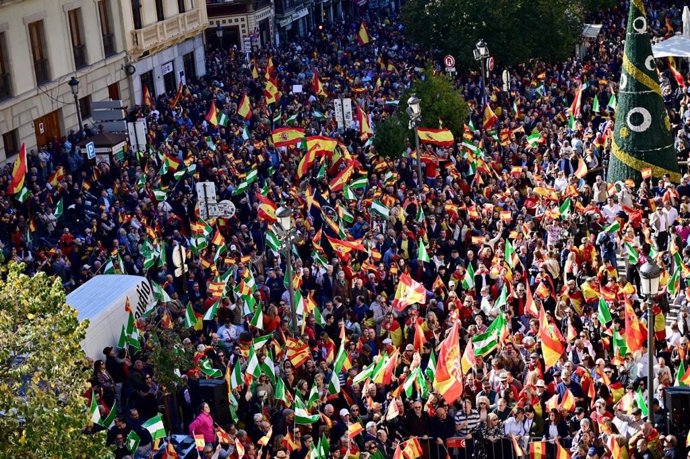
{"points": [[203, 424]]}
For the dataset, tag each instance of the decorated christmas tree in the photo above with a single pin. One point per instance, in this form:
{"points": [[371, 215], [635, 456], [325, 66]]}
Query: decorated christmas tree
{"points": [[642, 137]]}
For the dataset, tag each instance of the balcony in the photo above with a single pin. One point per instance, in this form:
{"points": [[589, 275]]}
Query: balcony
{"points": [[41, 71], [79, 52], [108, 44], [159, 35]]}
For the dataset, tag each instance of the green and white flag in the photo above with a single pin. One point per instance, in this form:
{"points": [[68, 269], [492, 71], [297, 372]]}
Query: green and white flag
{"points": [[189, 316], [640, 401], [291, 120], [379, 208], [488, 341], [595, 104], [59, 209], [236, 378], [468, 281], [280, 392], [253, 367], [268, 367], [358, 183], [207, 368], [211, 312], [109, 267], [565, 209], [349, 194], [180, 173], [159, 292], [613, 227], [534, 138], [94, 412], [508, 253], [313, 399], [612, 102], [260, 341], [571, 122], [258, 318], [160, 195], [503, 297], [272, 241], [334, 384], [603, 313], [302, 416], [132, 441], [244, 185], [620, 348], [110, 420], [321, 173], [223, 119], [245, 133], [430, 369], [319, 259], [633, 256], [423, 255], [23, 194], [155, 426], [679, 375], [318, 318]]}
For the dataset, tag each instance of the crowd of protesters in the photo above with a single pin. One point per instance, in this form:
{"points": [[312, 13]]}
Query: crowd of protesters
{"points": [[468, 215]]}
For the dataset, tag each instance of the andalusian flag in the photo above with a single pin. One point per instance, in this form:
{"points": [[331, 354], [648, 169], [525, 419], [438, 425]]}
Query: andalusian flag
{"points": [[189, 316], [603, 314], [59, 209], [211, 312], [363, 34], [534, 138], [423, 256], [94, 412], [155, 427], [613, 227], [488, 341], [302, 416], [380, 208], [564, 210], [633, 256], [207, 368], [468, 281]]}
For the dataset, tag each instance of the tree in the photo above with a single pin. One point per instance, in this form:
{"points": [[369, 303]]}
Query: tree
{"points": [[43, 372], [514, 31], [441, 103]]}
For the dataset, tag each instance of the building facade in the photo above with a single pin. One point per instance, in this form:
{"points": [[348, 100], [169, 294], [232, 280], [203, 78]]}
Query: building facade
{"points": [[109, 46], [245, 24]]}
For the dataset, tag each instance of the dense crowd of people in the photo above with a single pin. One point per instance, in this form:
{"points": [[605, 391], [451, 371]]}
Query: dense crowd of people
{"points": [[488, 237]]}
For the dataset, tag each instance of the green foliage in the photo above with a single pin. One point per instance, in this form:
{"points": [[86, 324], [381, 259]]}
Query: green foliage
{"points": [[43, 372], [439, 101], [390, 137], [515, 31], [598, 5], [168, 355]]}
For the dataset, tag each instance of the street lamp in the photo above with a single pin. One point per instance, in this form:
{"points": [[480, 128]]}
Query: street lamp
{"points": [[650, 274], [74, 86], [414, 111], [219, 34], [481, 54], [284, 215]]}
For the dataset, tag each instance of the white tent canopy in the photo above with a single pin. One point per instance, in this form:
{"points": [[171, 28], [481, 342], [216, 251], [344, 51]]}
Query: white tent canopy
{"points": [[676, 46], [591, 30]]}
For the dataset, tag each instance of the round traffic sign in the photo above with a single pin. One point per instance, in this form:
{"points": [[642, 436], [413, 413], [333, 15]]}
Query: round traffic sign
{"points": [[491, 64], [449, 61]]}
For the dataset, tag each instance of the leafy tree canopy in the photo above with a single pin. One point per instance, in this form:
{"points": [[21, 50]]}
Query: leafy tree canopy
{"points": [[515, 30], [43, 372], [441, 103]]}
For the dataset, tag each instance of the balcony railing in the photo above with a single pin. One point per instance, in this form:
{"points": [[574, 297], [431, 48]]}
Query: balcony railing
{"points": [[79, 52], [5, 86], [41, 71], [108, 44], [157, 35]]}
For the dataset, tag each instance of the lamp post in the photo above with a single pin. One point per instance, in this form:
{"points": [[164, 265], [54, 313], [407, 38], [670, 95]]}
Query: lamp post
{"points": [[74, 86], [481, 54], [219, 35], [284, 215], [414, 111], [650, 274]]}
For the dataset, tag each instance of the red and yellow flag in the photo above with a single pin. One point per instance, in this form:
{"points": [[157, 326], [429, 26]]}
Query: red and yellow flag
{"points": [[321, 144], [244, 109], [271, 93], [267, 208], [439, 137], [363, 34], [317, 86], [568, 402], [285, 137], [537, 450], [342, 178], [148, 100], [561, 453], [551, 340], [364, 125], [469, 360], [635, 335], [448, 379], [581, 170], [408, 292], [57, 176], [212, 115], [19, 170], [490, 118]]}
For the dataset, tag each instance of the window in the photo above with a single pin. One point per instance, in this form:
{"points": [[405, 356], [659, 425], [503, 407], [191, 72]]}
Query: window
{"points": [[189, 67], [77, 35], [11, 142], [106, 28], [181, 6], [85, 107], [146, 79], [39, 52], [136, 14], [160, 12], [5, 76]]}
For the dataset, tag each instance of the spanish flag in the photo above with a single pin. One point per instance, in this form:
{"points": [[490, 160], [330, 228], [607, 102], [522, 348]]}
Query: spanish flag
{"points": [[581, 171], [345, 246], [285, 137], [244, 109], [212, 115], [469, 360], [321, 144], [270, 69], [255, 70], [537, 450], [490, 118], [57, 176], [363, 34], [635, 335], [363, 120], [409, 292], [551, 340], [271, 92], [439, 137], [561, 453], [306, 163], [342, 178], [317, 86], [267, 208], [448, 380], [148, 100], [354, 429], [18, 172], [568, 402]]}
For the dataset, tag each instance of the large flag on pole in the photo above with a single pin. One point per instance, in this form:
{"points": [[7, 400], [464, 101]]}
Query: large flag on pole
{"points": [[448, 380]]}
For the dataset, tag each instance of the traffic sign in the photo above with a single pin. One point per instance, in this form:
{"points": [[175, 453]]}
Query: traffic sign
{"points": [[449, 61], [91, 150]]}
